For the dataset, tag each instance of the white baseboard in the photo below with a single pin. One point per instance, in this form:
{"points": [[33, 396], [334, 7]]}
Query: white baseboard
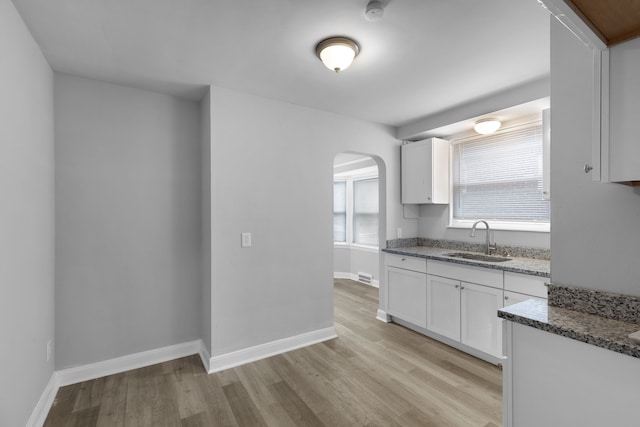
{"points": [[262, 351], [351, 276], [204, 356], [92, 371], [383, 317], [40, 412]]}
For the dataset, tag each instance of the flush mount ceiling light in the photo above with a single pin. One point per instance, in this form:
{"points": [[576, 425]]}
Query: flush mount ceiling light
{"points": [[487, 126], [337, 53]]}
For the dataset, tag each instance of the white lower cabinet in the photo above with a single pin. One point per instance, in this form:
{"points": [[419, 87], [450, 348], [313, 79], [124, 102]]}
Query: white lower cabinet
{"points": [[443, 306], [407, 295], [465, 312], [521, 287], [480, 326], [457, 304], [511, 298], [406, 281]]}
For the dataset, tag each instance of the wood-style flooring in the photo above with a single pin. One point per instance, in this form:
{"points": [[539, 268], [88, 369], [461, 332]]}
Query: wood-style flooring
{"points": [[374, 374]]}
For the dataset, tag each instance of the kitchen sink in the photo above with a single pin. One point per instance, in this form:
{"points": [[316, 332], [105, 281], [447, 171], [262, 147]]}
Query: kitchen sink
{"points": [[478, 257]]}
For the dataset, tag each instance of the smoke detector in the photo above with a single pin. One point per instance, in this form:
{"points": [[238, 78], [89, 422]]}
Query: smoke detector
{"points": [[374, 11]]}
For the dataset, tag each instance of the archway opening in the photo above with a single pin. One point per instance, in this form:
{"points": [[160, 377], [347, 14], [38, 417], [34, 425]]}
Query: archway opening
{"points": [[359, 213]]}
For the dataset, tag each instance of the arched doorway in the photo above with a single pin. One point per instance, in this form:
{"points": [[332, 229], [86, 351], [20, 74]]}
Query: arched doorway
{"points": [[359, 216]]}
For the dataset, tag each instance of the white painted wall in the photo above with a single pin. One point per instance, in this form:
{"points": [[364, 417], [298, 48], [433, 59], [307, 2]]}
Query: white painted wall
{"points": [[595, 227], [352, 260], [128, 233], [366, 262], [272, 175], [26, 219], [341, 259], [434, 220]]}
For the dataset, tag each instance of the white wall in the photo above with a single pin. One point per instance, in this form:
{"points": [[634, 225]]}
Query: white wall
{"points": [[272, 174], [595, 227], [128, 232], [366, 262], [341, 259], [26, 219], [434, 220], [352, 260]]}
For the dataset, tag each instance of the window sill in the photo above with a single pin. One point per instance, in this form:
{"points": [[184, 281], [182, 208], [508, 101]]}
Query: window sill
{"points": [[503, 226], [362, 248]]}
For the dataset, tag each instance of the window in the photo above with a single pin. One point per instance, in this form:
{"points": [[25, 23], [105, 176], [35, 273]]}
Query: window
{"points": [[355, 211], [340, 211], [365, 212], [499, 178]]}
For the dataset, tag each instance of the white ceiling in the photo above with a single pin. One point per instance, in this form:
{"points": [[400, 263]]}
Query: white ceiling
{"points": [[425, 56]]}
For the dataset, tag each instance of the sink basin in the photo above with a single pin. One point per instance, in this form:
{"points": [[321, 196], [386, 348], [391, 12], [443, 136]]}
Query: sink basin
{"points": [[478, 257]]}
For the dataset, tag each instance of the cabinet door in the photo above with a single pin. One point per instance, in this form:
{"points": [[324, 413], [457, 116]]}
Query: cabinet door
{"points": [[407, 295], [417, 183], [624, 109], [443, 306], [481, 328], [425, 171]]}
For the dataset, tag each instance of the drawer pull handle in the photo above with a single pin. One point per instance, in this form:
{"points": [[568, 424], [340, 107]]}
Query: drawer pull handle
{"points": [[506, 297], [403, 259]]}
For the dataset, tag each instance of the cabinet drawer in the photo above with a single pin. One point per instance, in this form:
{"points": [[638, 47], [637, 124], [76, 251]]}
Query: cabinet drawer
{"points": [[466, 273], [406, 262], [511, 298], [525, 284]]}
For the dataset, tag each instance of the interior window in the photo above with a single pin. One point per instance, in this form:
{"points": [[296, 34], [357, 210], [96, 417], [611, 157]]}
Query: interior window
{"points": [[355, 211], [365, 212], [340, 211], [498, 177]]}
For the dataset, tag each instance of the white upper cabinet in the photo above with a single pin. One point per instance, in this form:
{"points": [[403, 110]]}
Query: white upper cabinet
{"points": [[624, 111], [425, 172]]}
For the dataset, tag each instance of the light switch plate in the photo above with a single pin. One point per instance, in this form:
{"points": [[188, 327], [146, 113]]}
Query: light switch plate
{"points": [[246, 240]]}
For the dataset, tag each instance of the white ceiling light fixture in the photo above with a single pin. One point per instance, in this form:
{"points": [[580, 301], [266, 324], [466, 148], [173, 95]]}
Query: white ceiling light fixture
{"points": [[487, 126], [337, 53]]}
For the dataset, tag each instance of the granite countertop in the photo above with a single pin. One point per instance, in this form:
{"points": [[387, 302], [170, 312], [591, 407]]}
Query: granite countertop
{"points": [[610, 334], [531, 266]]}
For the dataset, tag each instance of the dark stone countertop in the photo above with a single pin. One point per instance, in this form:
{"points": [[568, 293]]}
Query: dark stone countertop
{"points": [[530, 266], [592, 329]]}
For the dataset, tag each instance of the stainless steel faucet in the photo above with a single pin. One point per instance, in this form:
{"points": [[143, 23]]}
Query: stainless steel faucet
{"points": [[489, 248]]}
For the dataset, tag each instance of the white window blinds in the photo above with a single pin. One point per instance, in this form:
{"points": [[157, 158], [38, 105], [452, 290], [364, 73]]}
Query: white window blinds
{"points": [[499, 177], [339, 211], [365, 212]]}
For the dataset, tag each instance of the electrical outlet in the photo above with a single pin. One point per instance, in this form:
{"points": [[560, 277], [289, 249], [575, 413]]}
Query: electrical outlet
{"points": [[399, 233], [49, 349], [246, 240]]}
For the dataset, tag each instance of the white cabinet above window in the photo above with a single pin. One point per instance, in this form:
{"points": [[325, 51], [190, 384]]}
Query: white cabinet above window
{"points": [[425, 172]]}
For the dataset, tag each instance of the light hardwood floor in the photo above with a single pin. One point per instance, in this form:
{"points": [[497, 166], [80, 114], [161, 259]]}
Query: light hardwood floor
{"points": [[374, 374]]}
